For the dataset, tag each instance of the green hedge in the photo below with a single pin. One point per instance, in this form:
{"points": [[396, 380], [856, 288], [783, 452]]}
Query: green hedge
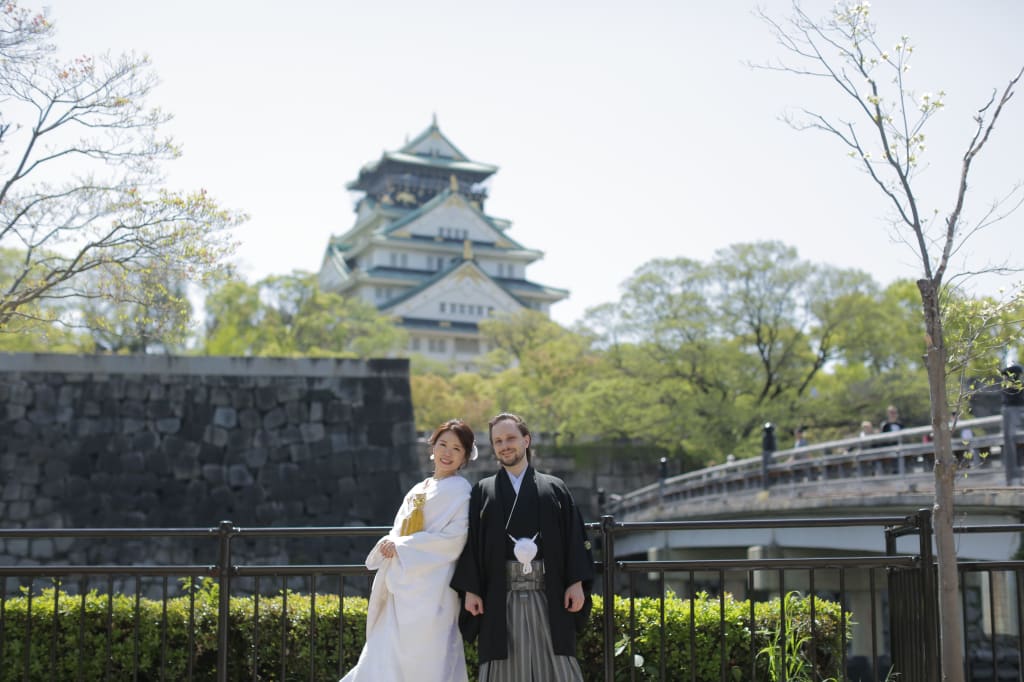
{"points": [[161, 643]]}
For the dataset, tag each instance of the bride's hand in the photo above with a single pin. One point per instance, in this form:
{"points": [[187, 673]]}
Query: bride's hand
{"points": [[387, 549]]}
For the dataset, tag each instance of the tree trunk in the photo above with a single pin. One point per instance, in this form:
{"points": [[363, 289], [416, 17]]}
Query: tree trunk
{"points": [[950, 632]]}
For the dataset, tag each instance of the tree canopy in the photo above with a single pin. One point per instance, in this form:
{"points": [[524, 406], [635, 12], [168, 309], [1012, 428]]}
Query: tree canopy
{"points": [[84, 212], [288, 315]]}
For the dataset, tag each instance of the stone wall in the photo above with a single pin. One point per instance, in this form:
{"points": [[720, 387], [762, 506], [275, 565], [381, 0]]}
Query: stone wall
{"points": [[156, 441]]}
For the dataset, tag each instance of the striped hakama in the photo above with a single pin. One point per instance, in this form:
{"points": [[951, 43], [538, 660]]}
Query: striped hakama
{"points": [[531, 657]]}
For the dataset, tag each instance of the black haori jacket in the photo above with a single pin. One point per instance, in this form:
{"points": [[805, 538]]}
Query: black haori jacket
{"points": [[481, 567]]}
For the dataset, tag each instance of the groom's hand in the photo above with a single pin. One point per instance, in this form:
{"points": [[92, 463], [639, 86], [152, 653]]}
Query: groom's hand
{"points": [[474, 604], [574, 597]]}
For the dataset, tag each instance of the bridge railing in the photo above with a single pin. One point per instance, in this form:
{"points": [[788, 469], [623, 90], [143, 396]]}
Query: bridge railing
{"points": [[898, 453]]}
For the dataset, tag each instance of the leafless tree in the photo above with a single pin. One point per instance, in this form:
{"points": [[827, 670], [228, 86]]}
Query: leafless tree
{"points": [[81, 187], [882, 129]]}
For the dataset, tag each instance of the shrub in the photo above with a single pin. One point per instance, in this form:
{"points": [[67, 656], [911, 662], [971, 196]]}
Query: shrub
{"points": [[101, 637]]}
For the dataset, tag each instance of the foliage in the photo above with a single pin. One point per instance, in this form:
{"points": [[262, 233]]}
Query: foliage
{"points": [[82, 206], [708, 352], [288, 315], [437, 398], [149, 311], [817, 646], [547, 366], [292, 636]]}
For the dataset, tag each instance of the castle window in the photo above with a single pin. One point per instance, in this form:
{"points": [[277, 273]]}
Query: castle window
{"points": [[442, 306], [467, 346]]}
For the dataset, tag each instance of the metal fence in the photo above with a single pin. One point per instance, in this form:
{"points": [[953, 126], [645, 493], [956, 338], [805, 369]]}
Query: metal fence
{"points": [[886, 603]]}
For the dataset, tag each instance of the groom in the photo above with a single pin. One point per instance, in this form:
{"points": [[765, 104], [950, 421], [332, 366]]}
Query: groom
{"points": [[526, 570]]}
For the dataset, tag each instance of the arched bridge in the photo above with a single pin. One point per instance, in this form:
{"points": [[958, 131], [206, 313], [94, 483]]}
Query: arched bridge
{"points": [[889, 473]]}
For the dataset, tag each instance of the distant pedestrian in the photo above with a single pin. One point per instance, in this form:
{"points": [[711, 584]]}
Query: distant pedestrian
{"points": [[800, 437], [892, 420]]}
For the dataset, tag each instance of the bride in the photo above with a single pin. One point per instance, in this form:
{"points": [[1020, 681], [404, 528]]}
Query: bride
{"points": [[412, 619]]}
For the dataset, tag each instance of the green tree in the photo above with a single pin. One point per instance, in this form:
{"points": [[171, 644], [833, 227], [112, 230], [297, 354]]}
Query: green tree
{"points": [[707, 352], [148, 311], [546, 365], [437, 398], [288, 315], [81, 190], [883, 131]]}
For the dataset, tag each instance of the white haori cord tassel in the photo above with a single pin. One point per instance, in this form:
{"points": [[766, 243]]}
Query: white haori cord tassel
{"points": [[525, 549]]}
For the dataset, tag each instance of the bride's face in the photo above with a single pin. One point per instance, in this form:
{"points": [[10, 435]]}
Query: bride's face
{"points": [[449, 455]]}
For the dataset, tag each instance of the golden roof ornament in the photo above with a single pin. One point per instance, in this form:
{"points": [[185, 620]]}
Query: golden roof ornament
{"points": [[467, 249]]}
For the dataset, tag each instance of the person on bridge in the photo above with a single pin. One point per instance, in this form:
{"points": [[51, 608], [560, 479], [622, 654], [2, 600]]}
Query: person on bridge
{"points": [[412, 630], [892, 420], [527, 569]]}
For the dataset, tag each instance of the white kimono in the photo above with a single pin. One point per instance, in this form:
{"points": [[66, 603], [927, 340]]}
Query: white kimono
{"points": [[412, 628]]}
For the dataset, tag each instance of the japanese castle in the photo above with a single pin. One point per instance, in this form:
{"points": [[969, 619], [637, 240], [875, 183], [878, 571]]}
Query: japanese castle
{"points": [[424, 250]]}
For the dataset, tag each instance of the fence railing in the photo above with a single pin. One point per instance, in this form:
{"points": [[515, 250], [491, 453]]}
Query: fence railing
{"points": [[886, 601]]}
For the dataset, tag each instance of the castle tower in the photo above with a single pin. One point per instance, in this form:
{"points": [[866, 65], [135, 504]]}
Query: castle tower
{"points": [[423, 250]]}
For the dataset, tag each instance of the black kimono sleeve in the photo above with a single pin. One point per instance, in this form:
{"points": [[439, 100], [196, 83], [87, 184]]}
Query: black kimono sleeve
{"points": [[468, 576], [579, 560]]}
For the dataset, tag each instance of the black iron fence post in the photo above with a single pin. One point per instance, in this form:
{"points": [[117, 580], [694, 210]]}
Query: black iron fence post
{"points": [[929, 595], [224, 532], [608, 596]]}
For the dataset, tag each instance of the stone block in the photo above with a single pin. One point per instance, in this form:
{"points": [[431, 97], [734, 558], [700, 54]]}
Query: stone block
{"points": [[297, 412], [298, 453], [20, 394], [19, 510], [266, 398], [186, 466], [168, 425], [290, 435], [249, 419], [239, 476], [67, 395], [132, 462], [312, 433], [225, 417], [243, 398], [317, 506], [41, 417], [274, 419], [213, 473], [135, 409], [42, 549], [136, 389], [337, 412], [215, 436], [255, 457], [131, 425]]}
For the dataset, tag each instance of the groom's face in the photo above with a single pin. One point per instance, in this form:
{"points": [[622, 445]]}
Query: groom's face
{"points": [[509, 445]]}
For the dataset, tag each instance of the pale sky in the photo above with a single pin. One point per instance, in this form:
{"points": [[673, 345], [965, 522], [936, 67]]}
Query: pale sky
{"points": [[624, 131]]}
